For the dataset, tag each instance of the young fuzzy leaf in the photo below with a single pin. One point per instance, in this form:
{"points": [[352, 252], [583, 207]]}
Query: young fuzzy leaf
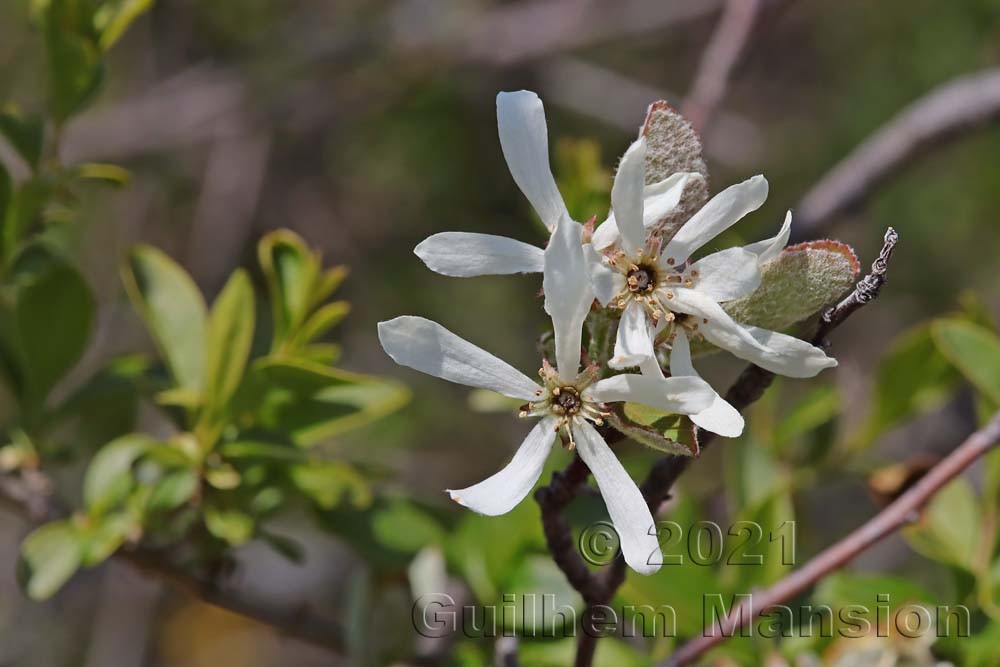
{"points": [[173, 310], [50, 555], [109, 476], [797, 284], [230, 335], [672, 147]]}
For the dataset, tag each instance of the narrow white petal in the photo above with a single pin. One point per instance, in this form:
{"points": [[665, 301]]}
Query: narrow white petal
{"points": [[768, 249], [680, 395], [626, 506], [525, 142], [659, 199], [430, 348], [627, 196], [770, 350], [719, 417], [499, 493], [463, 255], [715, 217], [634, 342], [568, 293], [605, 281], [727, 274]]}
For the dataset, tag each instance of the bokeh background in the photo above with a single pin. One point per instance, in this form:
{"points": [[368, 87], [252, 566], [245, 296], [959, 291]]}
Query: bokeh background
{"points": [[367, 126]]}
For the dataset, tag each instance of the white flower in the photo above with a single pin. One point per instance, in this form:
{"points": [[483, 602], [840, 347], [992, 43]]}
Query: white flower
{"points": [[569, 402], [663, 295], [525, 144]]}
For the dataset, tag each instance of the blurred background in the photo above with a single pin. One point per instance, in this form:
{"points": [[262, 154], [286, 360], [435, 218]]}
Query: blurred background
{"points": [[367, 126]]}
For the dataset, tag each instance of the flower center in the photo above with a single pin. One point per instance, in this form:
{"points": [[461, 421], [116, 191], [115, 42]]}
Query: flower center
{"points": [[565, 401], [641, 279]]}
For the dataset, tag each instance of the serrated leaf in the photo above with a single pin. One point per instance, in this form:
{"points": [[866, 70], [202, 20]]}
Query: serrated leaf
{"points": [[50, 555], [25, 134], [326, 483], [229, 337], [797, 284], [109, 476], [973, 350], [229, 525], [173, 310]]}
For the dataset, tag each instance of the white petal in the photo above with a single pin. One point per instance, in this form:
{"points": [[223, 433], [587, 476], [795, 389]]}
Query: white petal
{"points": [[626, 506], [499, 493], [770, 350], [568, 293], [715, 217], [525, 142], [659, 199], [634, 342], [768, 249], [462, 255], [719, 417], [605, 281], [430, 348], [682, 395], [627, 195], [727, 274]]}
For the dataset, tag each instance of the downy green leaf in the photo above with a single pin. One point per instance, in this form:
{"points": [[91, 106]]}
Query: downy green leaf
{"points": [[173, 310]]}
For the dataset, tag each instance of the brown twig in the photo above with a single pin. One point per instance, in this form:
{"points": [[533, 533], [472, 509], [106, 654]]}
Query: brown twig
{"points": [[598, 589], [883, 524], [948, 111], [30, 494], [718, 60]]}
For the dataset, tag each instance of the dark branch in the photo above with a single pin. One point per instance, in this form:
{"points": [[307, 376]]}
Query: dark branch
{"points": [[883, 524], [950, 110]]}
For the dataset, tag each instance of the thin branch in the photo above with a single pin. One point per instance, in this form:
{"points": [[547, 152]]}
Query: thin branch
{"points": [[30, 494], [718, 60], [948, 111], [883, 524]]}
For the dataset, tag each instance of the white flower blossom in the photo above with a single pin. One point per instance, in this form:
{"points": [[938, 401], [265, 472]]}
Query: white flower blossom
{"points": [[666, 298], [568, 402]]}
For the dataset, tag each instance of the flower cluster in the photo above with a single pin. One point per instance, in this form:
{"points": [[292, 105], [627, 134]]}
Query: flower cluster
{"points": [[632, 268]]}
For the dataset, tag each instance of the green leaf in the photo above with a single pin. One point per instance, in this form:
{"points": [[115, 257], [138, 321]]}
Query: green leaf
{"points": [[974, 351], [230, 525], [50, 555], [322, 321], [949, 527], [286, 546], [56, 293], [813, 410], [327, 482], [291, 270], [404, 527], [75, 65], [244, 449], [173, 311], [176, 488], [25, 134], [675, 429], [230, 335], [312, 403], [108, 173], [109, 477], [912, 378], [114, 18], [102, 537]]}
